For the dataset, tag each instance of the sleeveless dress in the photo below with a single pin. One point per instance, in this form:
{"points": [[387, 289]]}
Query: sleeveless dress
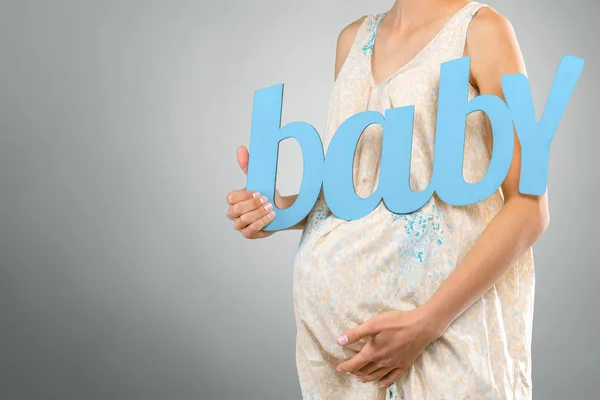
{"points": [[346, 272]]}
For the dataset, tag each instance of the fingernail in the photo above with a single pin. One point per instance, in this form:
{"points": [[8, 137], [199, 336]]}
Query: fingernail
{"points": [[359, 379], [342, 340], [255, 195], [382, 385], [268, 206], [263, 199], [271, 215]]}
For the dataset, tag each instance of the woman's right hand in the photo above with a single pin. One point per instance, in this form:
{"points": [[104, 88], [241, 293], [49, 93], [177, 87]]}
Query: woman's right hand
{"points": [[249, 210]]}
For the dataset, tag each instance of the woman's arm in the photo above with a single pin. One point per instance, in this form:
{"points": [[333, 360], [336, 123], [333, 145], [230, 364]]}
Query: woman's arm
{"points": [[494, 52], [399, 338]]}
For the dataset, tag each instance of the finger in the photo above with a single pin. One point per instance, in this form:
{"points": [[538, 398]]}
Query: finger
{"points": [[235, 196], [369, 328], [355, 363], [375, 375], [368, 369], [243, 157], [250, 217], [391, 377], [251, 231], [246, 206]]}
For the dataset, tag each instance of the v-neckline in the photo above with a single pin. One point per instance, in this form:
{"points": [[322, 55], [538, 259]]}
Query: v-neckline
{"points": [[380, 17]]}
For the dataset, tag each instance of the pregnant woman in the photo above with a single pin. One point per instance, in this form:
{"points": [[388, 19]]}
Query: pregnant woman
{"points": [[435, 304]]}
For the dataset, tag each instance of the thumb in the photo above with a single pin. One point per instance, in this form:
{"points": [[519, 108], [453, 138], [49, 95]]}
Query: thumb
{"points": [[369, 328], [242, 157]]}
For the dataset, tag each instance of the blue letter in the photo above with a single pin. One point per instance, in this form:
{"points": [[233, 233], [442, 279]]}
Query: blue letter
{"points": [[453, 108], [265, 136], [535, 138], [394, 177], [338, 185]]}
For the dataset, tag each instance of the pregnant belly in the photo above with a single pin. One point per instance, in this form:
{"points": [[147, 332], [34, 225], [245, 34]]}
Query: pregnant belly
{"points": [[346, 272]]}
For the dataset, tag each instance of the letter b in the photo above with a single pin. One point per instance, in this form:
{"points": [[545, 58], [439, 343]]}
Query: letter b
{"points": [[453, 108], [265, 136]]}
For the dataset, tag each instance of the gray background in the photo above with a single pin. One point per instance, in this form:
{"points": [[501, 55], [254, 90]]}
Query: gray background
{"points": [[121, 278]]}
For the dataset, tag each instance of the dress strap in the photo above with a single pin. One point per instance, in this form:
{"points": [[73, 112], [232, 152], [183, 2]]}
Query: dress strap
{"points": [[365, 37], [460, 25], [369, 31]]}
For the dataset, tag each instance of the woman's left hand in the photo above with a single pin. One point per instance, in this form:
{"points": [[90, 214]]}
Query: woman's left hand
{"points": [[398, 339]]}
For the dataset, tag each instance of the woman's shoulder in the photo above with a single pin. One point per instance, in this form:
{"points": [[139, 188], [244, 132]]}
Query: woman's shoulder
{"points": [[492, 44], [488, 23], [490, 35], [346, 39], [349, 32]]}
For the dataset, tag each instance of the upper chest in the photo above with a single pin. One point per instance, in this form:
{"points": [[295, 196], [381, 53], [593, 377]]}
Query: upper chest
{"points": [[393, 49]]}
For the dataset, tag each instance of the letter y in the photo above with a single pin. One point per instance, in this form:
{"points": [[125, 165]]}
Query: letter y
{"points": [[534, 137]]}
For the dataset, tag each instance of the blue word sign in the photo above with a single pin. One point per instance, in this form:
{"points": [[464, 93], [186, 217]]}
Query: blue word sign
{"points": [[334, 173]]}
